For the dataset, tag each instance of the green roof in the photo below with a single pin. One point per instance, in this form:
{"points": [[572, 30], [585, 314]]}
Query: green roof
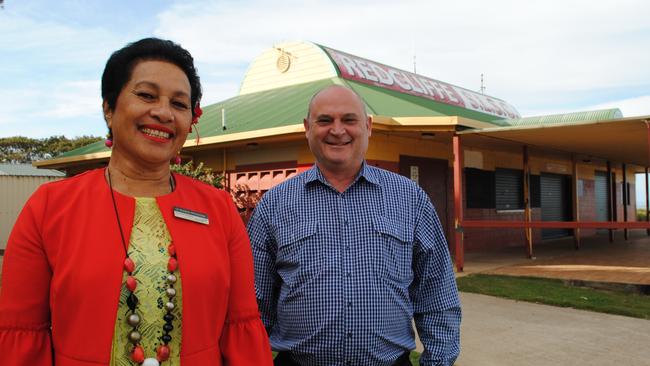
{"points": [[567, 118], [266, 109], [288, 106], [95, 147]]}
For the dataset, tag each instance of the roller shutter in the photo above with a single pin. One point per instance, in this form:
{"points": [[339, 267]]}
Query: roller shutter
{"points": [[602, 197], [556, 202], [509, 189]]}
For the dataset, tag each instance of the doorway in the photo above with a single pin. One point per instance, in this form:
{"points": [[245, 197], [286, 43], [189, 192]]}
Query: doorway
{"points": [[431, 175]]}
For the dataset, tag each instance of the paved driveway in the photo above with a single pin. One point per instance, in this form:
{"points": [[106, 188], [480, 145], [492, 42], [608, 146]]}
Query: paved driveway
{"points": [[503, 332]]}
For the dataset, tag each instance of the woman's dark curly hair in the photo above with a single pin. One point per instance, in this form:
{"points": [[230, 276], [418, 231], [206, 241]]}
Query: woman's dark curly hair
{"points": [[119, 67]]}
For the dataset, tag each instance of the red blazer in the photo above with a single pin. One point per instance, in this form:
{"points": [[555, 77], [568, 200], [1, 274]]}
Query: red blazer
{"points": [[62, 275]]}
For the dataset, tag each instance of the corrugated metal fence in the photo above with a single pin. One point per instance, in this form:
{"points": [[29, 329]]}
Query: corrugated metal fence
{"points": [[14, 192]]}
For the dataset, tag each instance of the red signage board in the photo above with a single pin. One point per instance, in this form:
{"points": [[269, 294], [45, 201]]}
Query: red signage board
{"points": [[373, 73]]}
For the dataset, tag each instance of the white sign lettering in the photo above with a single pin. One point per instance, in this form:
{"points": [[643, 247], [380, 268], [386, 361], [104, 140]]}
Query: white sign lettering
{"points": [[373, 73]]}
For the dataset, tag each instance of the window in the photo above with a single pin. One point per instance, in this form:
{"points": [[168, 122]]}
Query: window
{"points": [[479, 188], [509, 189], [502, 189]]}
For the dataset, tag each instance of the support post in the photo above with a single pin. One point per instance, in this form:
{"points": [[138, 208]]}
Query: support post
{"points": [[458, 203], [626, 197], [647, 191], [610, 199], [527, 211], [647, 200], [576, 203]]}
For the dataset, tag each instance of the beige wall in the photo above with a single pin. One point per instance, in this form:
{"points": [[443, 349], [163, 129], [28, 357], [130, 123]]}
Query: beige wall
{"points": [[307, 62], [263, 154], [389, 147], [14, 192]]}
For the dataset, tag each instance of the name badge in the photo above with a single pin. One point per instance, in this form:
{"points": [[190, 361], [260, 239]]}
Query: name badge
{"points": [[185, 214]]}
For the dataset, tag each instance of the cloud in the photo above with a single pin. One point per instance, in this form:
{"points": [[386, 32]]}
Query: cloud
{"points": [[50, 72], [527, 50], [632, 107], [542, 57], [73, 99], [72, 108], [50, 46], [17, 105]]}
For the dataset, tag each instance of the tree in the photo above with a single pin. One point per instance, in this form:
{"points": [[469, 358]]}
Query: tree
{"points": [[19, 149]]}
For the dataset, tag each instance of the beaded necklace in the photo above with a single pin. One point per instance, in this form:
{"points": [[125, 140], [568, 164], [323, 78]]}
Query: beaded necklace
{"points": [[133, 319]]}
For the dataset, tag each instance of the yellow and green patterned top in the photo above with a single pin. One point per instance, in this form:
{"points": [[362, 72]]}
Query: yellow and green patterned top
{"points": [[148, 249]]}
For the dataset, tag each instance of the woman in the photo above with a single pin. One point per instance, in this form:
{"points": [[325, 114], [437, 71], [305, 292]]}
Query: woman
{"points": [[132, 264]]}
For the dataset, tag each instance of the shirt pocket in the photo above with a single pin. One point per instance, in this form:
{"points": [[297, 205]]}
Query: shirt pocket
{"points": [[394, 242], [299, 257]]}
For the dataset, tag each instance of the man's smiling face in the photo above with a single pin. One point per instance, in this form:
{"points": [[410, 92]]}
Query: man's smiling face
{"points": [[338, 130]]}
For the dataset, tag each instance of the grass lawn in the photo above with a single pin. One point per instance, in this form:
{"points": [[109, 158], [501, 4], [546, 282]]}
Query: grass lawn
{"points": [[555, 292]]}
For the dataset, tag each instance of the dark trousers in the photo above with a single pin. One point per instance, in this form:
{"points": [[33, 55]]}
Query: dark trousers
{"points": [[284, 359]]}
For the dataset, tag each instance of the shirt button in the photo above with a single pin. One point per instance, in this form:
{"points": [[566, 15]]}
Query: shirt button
{"points": [[349, 304], [348, 274], [347, 247], [349, 335], [348, 363]]}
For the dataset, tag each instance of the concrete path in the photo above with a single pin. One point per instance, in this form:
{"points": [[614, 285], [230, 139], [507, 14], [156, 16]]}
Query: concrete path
{"points": [[622, 262], [503, 332]]}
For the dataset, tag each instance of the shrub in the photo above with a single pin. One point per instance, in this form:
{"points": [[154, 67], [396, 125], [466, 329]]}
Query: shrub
{"points": [[199, 172]]}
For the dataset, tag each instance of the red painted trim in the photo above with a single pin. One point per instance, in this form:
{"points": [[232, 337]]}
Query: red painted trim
{"points": [[305, 166], [392, 166], [292, 164]]}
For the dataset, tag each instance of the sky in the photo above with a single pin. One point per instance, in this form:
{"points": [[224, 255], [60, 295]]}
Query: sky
{"points": [[543, 57]]}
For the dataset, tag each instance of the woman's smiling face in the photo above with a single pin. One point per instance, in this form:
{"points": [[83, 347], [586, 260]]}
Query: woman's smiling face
{"points": [[152, 115]]}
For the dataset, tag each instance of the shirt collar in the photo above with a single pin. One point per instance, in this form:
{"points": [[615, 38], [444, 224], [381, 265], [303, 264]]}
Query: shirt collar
{"points": [[367, 172]]}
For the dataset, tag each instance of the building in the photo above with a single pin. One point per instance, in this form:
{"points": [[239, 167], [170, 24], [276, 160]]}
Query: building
{"points": [[495, 178], [17, 183]]}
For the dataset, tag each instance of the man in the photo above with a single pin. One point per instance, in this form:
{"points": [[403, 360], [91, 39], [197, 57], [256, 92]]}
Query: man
{"points": [[346, 255]]}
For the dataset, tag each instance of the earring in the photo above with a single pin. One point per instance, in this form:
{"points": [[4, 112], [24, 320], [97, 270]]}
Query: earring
{"points": [[177, 159], [109, 139]]}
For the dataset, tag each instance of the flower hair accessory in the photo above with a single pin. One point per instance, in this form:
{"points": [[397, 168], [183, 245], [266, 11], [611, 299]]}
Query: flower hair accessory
{"points": [[198, 112]]}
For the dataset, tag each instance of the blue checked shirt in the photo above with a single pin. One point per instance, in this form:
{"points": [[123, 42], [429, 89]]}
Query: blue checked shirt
{"points": [[340, 276]]}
